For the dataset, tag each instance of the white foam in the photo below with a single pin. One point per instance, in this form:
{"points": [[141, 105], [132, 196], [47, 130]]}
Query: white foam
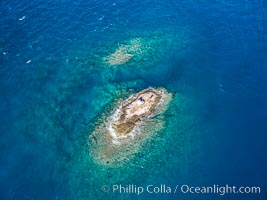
{"points": [[101, 18], [22, 18]]}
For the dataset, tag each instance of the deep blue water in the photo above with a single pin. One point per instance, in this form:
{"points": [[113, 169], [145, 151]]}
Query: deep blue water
{"points": [[52, 86]]}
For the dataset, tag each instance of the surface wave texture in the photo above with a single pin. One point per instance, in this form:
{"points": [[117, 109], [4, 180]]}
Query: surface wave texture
{"points": [[66, 66]]}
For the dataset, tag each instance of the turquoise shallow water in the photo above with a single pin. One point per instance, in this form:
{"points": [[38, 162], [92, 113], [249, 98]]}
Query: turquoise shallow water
{"points": [[55, 84]]}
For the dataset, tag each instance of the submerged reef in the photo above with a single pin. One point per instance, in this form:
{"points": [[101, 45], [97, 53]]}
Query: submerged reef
{"points": [[142, 49], [125, 52], [120, 133]]}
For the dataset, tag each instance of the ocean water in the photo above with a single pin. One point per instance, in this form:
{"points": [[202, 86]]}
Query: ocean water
{"points": [[54, 86]]}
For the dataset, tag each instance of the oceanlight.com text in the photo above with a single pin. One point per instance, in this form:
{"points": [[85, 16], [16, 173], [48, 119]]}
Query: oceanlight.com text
{"points": [[216, 189]]}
